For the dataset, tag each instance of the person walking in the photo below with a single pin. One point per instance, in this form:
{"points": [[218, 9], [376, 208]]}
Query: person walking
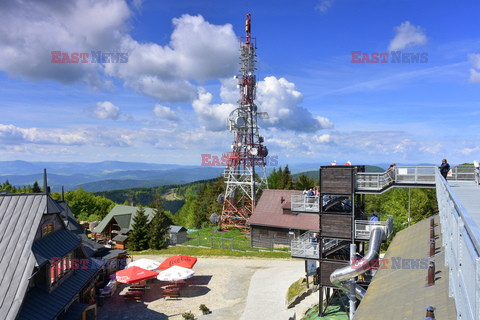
{"points": [[444, 168]]}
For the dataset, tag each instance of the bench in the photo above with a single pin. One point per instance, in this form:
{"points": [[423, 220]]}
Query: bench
{"points": [[171, 292]]}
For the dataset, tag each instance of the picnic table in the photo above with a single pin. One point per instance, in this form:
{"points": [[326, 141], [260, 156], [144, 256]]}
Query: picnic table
{"points": [[133, 295], [171, 291]]}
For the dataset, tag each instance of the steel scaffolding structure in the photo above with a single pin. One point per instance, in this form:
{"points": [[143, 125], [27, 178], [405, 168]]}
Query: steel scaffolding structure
{"points": [[243, 182]]}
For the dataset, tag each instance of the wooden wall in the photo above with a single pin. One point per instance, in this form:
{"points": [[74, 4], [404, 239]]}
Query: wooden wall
{"points": [[336, 225], [327, 268], [336, 180], [268, 237]]}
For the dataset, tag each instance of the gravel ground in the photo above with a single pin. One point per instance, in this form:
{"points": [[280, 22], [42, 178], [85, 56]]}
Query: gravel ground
{"points": [[232, 288]]}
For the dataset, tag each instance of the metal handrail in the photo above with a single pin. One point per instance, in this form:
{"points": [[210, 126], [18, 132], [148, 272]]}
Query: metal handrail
{"points": [[398, 175], [304, 203], [363, 228], [461, 239], [304, 246]]}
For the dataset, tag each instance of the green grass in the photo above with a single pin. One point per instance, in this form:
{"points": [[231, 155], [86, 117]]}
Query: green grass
{"points": [[234, 239], [208, 252], [296, 288], [334, 311], [206, 242]]}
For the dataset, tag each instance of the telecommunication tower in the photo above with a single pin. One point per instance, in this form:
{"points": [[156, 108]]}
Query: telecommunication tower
{"points": [[243, 181]]}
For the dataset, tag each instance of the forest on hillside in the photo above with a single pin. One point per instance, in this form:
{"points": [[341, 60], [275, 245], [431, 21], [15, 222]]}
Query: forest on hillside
{"points": [[192, 204]]}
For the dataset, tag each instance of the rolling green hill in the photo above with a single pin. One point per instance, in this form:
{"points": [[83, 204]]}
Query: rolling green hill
{"points": [[173, 195]]}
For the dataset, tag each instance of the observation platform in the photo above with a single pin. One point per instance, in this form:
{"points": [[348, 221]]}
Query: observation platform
{"points": [[398, 289]]}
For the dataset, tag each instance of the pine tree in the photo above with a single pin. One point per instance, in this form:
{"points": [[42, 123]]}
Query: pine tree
{"points": [[274, 179], [303, 182], [200, 208], [138, 238], [286, 179], [158, 228], [36, 188], [8, 187]]}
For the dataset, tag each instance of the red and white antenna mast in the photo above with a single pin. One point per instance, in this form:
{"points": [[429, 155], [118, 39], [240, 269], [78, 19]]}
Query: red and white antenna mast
{"points": [[243, 181]]}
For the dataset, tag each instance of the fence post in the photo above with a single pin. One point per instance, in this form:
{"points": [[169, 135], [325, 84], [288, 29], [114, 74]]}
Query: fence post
{"points": [[231, 244], [211, 242]]}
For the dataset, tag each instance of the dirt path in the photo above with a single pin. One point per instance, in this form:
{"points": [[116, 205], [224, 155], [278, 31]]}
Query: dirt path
{"points": [[222, 284]]}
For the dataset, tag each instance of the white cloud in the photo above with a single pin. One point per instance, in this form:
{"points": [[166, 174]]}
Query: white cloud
{"points": [[468, 151], [229, 93], [324, 5], [407, 35], [282, 100], [11, 134], [213, 116], [30, 32], [474, 76], [166, 72], [474, 59], [278, 97], [106, 110], [163, 112]]}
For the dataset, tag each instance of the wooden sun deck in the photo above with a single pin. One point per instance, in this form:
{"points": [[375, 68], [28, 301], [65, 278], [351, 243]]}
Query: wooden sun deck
{"points": [[398, 290]]}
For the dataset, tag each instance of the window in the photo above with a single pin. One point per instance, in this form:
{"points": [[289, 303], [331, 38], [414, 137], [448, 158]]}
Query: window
{"points": [[55, 270], [60, 267], [47, 229]]}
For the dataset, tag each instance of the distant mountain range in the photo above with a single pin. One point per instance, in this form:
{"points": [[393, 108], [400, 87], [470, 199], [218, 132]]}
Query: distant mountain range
{"points": [[101, 176]]}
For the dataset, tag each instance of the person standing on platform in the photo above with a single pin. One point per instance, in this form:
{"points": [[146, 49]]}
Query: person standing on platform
{"points": [[444, 168]]}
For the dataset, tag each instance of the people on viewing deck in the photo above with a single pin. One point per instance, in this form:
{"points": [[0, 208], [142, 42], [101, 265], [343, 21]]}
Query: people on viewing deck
{"points": [[310, 197], [310, 193], [444, 168], [391, 172], [325, 199], [374, 217]]}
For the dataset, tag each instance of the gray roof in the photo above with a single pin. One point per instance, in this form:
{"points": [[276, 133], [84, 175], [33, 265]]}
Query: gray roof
{"points": [[120, 238], [177, 229], [39, 304], [123, 215], [57, 244], [52, 207], [124, 231], [20, 216]]}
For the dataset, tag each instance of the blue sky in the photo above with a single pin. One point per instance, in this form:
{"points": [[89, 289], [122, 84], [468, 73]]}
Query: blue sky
{"points": [[169, 102]]}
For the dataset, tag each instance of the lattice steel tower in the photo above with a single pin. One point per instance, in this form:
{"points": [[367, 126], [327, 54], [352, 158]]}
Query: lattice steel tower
{"points": [[243, 182]]}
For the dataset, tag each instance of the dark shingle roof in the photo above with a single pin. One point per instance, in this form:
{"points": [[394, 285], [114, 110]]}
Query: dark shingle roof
{"points": [[20, 216], [111, 254], [57, 244], [39, 304], [269, 212], [74, 311]]}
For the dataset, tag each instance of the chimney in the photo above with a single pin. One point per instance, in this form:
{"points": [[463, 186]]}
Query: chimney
{"points": [[63, 194], [45, 185]]}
